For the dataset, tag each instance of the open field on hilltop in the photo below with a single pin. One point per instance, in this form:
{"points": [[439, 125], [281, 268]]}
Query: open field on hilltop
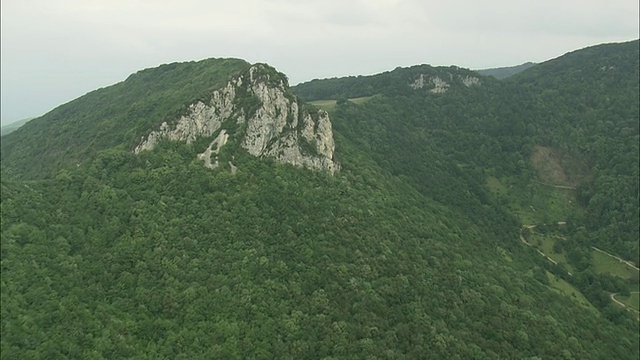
{"points": [[360, 100], [329, 104], [326, 105]]}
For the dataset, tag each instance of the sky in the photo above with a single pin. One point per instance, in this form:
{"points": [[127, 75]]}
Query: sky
{"points": [[54, 51]]}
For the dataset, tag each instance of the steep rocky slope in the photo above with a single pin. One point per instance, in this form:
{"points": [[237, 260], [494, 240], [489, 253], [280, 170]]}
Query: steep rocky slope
{"points": [[252, 104], [279, 126]]}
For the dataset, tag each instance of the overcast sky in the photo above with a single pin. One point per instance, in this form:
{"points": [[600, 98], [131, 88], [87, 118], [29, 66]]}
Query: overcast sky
{"points": [[56, 50]]}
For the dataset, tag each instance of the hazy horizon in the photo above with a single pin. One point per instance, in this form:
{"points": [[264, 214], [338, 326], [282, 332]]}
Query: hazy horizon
{"points": [[54, 52], [33, 116]]}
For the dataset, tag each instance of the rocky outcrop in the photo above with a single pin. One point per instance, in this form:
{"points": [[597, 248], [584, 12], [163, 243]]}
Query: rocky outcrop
{"points": [[201, 119], [469, 81], [206, 156], [267, 119], [437, 85]]}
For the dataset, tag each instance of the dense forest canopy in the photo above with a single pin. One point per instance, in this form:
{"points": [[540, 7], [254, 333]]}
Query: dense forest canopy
{"points": [[426, 243]]}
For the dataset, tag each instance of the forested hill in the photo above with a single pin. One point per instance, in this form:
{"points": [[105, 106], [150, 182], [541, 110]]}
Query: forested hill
{"points": [[586, 105], [114, 116], [425, 244], [583, 106], [7, 129], [505, 72], [398, 82]]}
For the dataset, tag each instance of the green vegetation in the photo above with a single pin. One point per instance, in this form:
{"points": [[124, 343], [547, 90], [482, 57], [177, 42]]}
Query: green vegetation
{"points": [[547, 245], [632, 301], [568, 290], [361, 100], [505, 72], [7, 129], [330, 105], [411, 250], [606, 264], [326, 105], [115, 116], [390, 83]]}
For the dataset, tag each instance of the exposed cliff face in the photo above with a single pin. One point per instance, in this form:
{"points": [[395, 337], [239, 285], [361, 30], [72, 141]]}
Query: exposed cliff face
{"points": [[267, 118], [438, 85]]}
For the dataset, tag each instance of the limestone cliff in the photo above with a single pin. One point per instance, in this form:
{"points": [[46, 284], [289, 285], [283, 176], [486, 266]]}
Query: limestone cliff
{"points": [[265, 118], [438, 85]]}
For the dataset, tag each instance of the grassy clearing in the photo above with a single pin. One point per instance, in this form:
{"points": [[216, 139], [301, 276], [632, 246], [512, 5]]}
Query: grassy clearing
{"points": [[565, 288], [503, 193], [525, 215], [495, 186], [545, 244], [604, 263], [361, 100], [330, 105], [535, 203], [326, 105], [552, 205], [545, 206], [545, 200], [632, 301]]}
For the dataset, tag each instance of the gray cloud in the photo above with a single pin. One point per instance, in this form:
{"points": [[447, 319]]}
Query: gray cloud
{"points": [[56, 50]]}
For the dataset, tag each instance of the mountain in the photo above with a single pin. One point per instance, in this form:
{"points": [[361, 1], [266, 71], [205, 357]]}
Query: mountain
{"points": [[405, 221], [9, 128], [398, 82], [504, 72], [254, 110]]}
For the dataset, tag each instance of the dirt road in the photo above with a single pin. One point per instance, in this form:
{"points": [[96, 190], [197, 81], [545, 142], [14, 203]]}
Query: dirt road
{"points": [[630, 264]]}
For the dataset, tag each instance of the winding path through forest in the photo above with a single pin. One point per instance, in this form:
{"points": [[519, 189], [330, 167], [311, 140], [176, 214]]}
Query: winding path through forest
{"points": [[613, 297], [522, 238]]}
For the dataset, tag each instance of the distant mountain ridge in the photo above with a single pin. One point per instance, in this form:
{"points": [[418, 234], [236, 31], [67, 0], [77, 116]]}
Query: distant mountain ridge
{"points": [[400, 81], [7, 129], [505, 72]]}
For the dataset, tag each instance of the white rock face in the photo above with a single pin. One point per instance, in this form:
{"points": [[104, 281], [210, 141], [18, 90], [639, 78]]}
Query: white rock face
{"points": [[469, 81], [219, 141], [439, 85], [278, 128], [202, 120], [318, 136], [420, 82], [269, 120]]}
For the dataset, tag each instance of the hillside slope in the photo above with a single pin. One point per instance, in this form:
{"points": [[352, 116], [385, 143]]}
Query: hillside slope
{"points": [[505, 72], [403, 253], [7, 129], [115, 116]]}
